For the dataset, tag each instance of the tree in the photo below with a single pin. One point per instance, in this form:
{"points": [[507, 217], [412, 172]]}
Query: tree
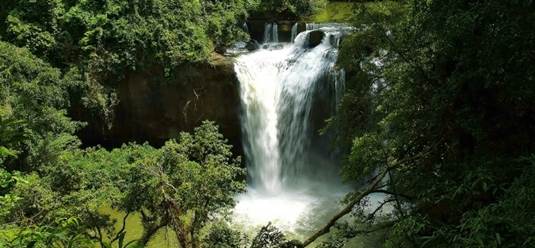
{"points": [[221, 235], [32, 101], [292, 8], [34, 133], [187, 184], [270, 236]]}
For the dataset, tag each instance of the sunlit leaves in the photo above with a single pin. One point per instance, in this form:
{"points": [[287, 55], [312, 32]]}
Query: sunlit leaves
{"points": [[298, 8], [195, 174]]}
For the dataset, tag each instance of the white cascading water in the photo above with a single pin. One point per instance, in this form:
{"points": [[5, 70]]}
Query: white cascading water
{"points": [[290, 173], [271, 33], [294, 32], [267, 32], [275, 33]]}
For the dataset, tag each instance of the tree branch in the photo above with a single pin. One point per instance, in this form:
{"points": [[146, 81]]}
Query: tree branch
{"points": [[372, 215], [100, 239], [388, 192], [150, 231], [326, 228], [123, 227]]}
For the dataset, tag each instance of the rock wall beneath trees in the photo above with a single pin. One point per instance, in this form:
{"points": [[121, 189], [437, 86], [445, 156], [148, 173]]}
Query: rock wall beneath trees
{"points": [[154, 109]]}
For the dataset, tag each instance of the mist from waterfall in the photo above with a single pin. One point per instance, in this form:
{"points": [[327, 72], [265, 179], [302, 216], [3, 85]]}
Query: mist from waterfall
{"points": [[284, 89]]}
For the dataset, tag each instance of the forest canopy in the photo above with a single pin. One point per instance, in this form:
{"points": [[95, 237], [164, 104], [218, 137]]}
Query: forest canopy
{"points": [[95, 43]]}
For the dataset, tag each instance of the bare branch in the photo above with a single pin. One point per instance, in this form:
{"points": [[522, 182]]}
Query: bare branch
{"points": [[372, 215], [388, 192], [123, 227], [326, 228]]}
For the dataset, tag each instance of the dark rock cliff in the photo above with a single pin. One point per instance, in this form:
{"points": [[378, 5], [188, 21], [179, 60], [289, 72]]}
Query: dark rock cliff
{"points": [[154, 109]]}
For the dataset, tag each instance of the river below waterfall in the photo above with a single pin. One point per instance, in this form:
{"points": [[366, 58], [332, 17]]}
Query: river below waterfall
{"points": [[287, 91]]}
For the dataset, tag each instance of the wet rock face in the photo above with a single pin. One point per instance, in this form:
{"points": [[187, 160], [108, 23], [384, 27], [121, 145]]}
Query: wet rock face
{"points": [[154, 109], [315, 37], [252, 45]]}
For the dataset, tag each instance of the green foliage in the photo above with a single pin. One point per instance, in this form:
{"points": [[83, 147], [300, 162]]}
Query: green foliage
{"points": [[33, 96], [340, 12], [295, 8], [34, 25], [114, 35], [223, 23], [35, 213], [494, 225], [97, 43], [45, 237], [270, 236], [221, 235], [441, 94], [351, 234], [186, 183]]}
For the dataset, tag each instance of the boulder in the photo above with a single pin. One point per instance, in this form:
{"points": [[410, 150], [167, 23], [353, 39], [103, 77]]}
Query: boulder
{"points": [[252, 45], [315, 38]]}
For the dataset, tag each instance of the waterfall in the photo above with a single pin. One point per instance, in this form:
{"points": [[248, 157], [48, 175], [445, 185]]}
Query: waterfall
{"points": [[275, 33], [267, 32], [294, 32], [277, 90], [271, 33], [284, 90]]}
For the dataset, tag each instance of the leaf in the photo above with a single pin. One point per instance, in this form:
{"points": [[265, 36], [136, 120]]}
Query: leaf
{"points": [[5, 152]]}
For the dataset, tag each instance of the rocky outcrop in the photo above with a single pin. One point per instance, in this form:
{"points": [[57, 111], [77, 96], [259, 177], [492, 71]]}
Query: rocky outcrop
{"points": [[154, 108], [315, 38], [252, 45]]}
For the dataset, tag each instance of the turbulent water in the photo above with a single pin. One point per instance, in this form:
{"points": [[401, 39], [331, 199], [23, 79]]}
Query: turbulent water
{"points": [[287, 90]]}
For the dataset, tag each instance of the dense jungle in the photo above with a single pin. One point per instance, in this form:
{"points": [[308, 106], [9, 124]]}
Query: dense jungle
{"points": [[267, 123]]}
